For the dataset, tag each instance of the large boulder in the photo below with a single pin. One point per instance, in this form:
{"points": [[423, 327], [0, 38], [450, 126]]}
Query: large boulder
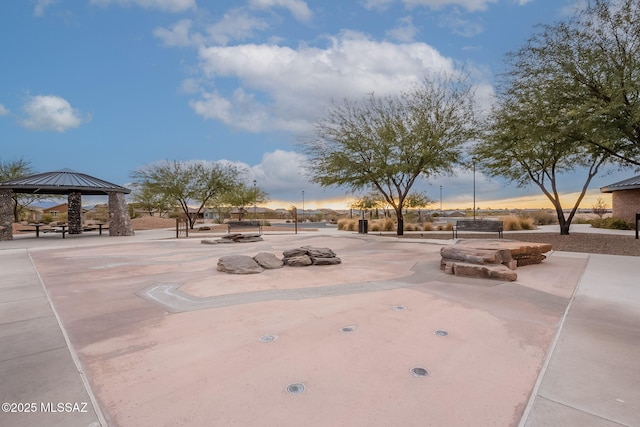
{"points": [[268, 261], [314, 252], [290, 253], [310, 255], [238, 264], [299, 261]]}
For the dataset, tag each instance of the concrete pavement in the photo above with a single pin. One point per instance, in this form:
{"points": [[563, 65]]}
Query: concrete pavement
{"points": [[558, 347]]}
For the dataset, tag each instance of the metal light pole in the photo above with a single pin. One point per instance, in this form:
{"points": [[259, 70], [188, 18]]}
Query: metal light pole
{"points": [[255, 201], [441, 198], [474, 188], [302, 205]]}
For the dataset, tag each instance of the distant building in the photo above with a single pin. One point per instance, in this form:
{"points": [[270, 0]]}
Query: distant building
{"points": [[625, 198], [56, 211]]}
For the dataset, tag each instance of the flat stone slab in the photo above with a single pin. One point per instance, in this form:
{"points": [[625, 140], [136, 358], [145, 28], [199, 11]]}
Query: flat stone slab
{"points": [[495, 271], [519, 250], [233, 238], [238, 264], [491, 258], [268, 261]]}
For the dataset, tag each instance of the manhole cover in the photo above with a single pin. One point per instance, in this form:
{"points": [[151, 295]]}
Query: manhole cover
{"points": [[267, 338], [295, 388], [348, 329], [441, 333], [399, 308], [419, 372]]}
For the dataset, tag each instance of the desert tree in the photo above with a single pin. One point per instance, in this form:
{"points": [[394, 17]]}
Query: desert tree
{"points": [[418, 200], [187, 183], [592, 62], [532, 139], [14, 169], [600, 207], [370, 201], [569, 103], [146, 198], [388, 142], [242, 196]]}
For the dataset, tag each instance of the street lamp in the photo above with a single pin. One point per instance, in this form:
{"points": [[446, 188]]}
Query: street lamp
{"points": [[302, 205], [255, 201], [441, 198]]}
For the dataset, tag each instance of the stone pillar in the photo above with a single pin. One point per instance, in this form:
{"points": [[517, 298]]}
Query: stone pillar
{"points": [[74, 213], [119, 219], [6, 215]]}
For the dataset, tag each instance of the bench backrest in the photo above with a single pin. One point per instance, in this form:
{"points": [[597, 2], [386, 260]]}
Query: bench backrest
{"points": [[251, 223], [482, 225]]}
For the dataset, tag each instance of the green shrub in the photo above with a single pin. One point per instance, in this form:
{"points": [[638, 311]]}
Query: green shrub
{"points": [[611, 223]]}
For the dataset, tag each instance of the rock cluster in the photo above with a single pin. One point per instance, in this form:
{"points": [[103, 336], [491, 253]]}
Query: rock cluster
{"points": [[233, 238], [491, 259], [309, 255], [299, 257]]}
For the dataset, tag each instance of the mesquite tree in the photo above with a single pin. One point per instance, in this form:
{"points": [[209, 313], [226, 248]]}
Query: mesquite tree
{"points": [[388, 142]]}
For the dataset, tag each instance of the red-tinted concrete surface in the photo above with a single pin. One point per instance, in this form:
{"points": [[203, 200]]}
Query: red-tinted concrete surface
{"points": [[207, 367]]}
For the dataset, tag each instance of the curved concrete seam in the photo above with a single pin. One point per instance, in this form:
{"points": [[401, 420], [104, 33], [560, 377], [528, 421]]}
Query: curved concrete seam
{"points": [[94, 402], [169, 296]]}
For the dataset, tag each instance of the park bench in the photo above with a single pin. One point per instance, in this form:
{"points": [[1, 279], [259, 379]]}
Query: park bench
{"points": [[484, 226], [243, 225]]}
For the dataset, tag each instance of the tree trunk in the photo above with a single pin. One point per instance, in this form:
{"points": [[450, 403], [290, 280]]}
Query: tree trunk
{"points": [[400, 229], [564, 225]]}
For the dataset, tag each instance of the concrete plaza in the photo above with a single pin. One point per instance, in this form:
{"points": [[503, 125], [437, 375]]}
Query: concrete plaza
{"points": [[144, 331]]}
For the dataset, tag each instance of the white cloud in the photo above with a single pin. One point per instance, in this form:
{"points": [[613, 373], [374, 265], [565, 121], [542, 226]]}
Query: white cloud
{"points": [[50, 113], [470, 5], [236, 24], [379, 5], [286, 89], [4, 111], [177, 35], [298, 8], [405, 31], [283, 175], [41, 5], [460, 26], [166, 5]]}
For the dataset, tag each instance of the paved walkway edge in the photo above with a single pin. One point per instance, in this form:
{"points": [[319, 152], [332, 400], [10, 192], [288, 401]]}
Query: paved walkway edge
{"points": [[74, 356], [552, 348]]}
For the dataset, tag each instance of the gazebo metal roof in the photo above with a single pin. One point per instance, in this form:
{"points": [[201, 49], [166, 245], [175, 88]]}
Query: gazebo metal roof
{"points": [[627, 184], [62, 182]]}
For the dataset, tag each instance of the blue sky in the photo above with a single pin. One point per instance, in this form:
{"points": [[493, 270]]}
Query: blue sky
{"points": [[106, 86]]}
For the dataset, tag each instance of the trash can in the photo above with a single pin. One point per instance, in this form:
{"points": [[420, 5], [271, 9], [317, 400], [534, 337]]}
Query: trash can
{"points": [[363, 226]]}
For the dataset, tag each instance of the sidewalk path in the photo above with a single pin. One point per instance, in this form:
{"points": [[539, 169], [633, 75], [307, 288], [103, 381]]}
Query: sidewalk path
{"points": [[593, 376], [40, 384]]}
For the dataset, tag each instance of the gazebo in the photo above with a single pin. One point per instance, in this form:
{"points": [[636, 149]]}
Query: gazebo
{"points": [[73, 185]]}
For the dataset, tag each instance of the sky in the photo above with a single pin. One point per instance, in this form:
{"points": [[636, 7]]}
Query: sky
{"points": [[104, 87]]}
